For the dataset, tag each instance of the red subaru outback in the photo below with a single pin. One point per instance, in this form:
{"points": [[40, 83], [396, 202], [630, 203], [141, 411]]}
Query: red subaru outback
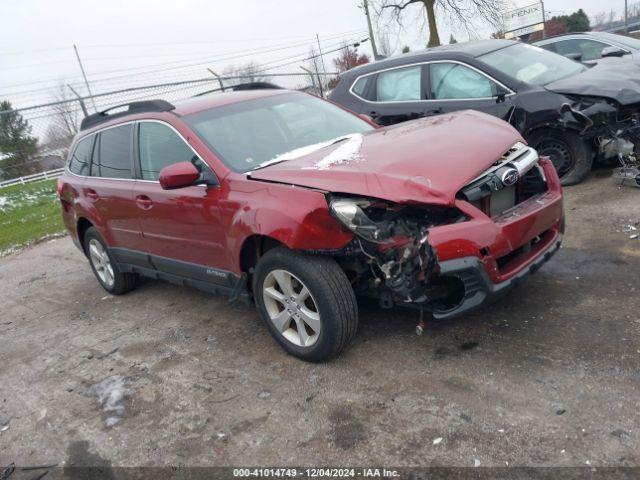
{"points": [[290, 201]]}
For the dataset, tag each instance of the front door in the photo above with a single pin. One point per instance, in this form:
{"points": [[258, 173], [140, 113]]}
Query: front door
{"points": [[454, 86], [182, 228]]}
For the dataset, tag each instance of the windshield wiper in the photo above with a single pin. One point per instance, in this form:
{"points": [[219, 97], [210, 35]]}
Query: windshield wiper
{"points": [[273, 161]]}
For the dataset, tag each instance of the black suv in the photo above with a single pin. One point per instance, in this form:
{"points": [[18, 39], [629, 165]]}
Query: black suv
{"points": [[565, 110]]}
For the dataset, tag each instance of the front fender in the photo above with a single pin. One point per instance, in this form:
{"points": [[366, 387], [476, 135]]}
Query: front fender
{"points": [[297, 217]]}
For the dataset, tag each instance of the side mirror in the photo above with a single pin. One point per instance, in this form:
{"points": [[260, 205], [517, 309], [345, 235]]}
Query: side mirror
{"points": [[573, 56], [612, 52], [179, 175], [501, 94]]}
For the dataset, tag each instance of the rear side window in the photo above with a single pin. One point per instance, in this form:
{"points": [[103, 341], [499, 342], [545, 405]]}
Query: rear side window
{"points": [[159, 147], [400, 84], [113, 159], [360, 86], [81, 157]]}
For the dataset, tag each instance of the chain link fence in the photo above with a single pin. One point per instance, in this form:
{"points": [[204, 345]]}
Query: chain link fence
{"points": [[36, 139]]}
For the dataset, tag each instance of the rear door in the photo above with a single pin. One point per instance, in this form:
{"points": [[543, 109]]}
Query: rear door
{"points": [[394, 95], [457, 86], [182, 228], [109, 188]]}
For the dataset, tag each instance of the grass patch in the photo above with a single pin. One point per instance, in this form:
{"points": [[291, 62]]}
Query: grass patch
{"points": [[28, 213]]}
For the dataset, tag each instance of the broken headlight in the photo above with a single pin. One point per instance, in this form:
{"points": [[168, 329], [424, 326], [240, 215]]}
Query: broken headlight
{"points": [[352, 214]]}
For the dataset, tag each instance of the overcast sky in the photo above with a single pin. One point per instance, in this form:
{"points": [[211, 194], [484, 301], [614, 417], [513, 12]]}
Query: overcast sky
{"points": [[144, 41]]}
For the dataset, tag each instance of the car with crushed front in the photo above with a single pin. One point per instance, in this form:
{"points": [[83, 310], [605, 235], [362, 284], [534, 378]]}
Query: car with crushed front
{"points": [[566, 111], [288, 201]]}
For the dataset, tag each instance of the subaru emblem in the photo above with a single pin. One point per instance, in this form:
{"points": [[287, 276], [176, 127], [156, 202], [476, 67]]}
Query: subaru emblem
{"points": [[510, 177]]}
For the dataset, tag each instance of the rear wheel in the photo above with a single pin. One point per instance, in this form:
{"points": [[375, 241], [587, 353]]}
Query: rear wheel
{"points": [[105, 267], [570, 154], [306, 302]]}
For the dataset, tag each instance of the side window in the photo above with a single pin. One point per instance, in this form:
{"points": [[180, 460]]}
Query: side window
{"points": [[400, 84], [588, 49], [160, 146], [455, 81], [113, 159], [81, 157], [548, 46], [360, 87]]}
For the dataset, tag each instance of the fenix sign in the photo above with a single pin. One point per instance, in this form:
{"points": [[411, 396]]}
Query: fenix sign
{"points": [[523, 20]]}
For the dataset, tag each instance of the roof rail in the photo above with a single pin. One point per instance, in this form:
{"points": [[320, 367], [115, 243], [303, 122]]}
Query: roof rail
{"points": [[133, 107]]}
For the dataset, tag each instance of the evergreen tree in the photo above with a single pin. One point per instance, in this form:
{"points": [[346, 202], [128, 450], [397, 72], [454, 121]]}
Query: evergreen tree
{"points": [[17, 146]]}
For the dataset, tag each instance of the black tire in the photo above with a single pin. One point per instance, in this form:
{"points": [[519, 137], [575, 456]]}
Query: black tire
{"points": [[331, 291], [123, 282], [571, 155]]}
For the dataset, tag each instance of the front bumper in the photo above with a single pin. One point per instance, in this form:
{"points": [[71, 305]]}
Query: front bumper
{"points": [[488, 256], [478, 287]]}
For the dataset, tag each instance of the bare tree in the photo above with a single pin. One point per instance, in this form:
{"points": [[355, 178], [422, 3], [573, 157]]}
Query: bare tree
{"points": [[247, 73], [461, 13], [384, 45], [599, 18], [65, 122]]}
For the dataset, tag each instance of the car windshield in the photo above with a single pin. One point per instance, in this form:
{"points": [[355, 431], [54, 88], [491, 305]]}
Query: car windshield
{"points": [[630, 42], [251, 134], [531, 64]]}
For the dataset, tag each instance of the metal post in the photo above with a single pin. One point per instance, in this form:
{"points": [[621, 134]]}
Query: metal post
{"points": [[313, 81], [80, 100], [544, 22], [324, 70], [86, 82], [365, 6], [218, 77], [626, 18], [315, 67]]}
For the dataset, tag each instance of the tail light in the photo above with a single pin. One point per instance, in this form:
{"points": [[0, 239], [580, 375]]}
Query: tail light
{"points": [[59, 188]]}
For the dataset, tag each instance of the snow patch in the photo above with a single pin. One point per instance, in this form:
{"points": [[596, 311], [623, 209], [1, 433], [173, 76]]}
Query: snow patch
{"points": [[111, 393], [347, 152]]}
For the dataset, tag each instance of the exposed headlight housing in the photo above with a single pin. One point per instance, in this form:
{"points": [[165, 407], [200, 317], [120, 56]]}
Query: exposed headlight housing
{"points": [[350, 212]]}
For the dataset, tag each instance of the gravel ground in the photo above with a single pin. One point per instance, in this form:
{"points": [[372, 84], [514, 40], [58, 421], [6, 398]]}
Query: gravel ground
{"points": [[172, 376]]}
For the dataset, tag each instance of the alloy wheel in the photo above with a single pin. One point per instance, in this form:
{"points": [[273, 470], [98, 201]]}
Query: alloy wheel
{"points": [[101, 262], [291, 308]]}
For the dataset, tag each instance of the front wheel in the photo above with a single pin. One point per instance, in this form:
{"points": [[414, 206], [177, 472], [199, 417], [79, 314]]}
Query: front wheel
{"points": [[570, 154], [307, 303]]}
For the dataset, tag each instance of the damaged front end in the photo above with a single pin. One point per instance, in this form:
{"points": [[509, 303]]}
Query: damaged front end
{"points": [[390, 257], [614, 129], [393, 258]]}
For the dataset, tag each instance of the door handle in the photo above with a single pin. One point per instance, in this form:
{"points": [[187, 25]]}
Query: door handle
{"points": [[374, 114], [144, 202], [91, 194]]}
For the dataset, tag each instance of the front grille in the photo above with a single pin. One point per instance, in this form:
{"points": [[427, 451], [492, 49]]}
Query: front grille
{"points": [[492, 196]]}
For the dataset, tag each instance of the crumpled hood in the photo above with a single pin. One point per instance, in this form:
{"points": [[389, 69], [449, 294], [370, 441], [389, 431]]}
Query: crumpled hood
{"points": [[423, 161], [614, 78]]}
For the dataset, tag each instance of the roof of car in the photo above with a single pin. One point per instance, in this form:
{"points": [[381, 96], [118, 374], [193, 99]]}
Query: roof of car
{"points": [[567, 34], [151, 108], [466, 49], [198, 104]]}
